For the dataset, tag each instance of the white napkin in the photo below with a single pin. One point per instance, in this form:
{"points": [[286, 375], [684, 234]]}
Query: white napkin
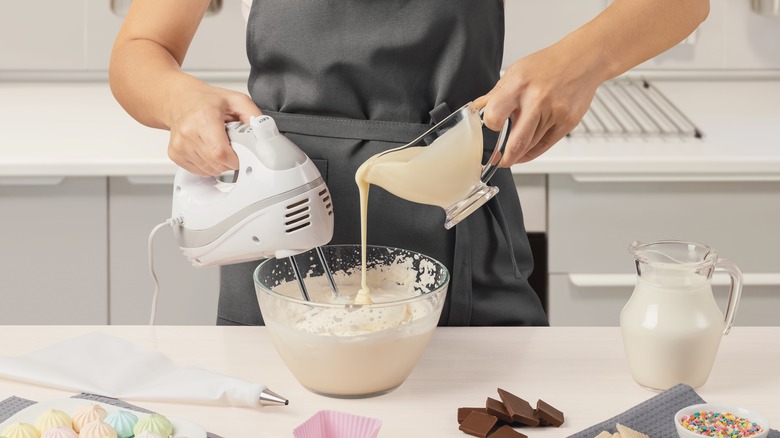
{"points": [[101, 364]]}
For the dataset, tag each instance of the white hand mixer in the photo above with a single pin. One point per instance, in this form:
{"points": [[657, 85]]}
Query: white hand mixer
{"points": [[276, 206]]}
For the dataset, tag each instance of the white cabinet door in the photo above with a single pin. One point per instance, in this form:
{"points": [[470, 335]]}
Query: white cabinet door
{"points": [[53, 266], [591, 224], [42, 34], [188, 295], [598, 299], [219, 44]]}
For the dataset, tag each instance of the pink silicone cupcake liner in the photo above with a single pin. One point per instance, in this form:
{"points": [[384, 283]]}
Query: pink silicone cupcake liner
{"points": [[332, 424]]}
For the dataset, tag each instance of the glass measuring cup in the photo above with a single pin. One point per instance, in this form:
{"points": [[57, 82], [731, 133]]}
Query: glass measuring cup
{"points": [[671, 325], [443, 166]]}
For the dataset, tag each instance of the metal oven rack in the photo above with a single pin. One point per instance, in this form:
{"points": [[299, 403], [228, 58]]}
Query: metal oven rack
{"points": [[631, 107]]}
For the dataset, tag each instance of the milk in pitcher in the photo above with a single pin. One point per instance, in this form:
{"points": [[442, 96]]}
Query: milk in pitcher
{"points": [[671, 328]]}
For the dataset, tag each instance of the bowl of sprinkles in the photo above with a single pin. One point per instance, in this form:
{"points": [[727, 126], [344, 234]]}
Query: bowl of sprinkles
{"points": [[720, 421]]}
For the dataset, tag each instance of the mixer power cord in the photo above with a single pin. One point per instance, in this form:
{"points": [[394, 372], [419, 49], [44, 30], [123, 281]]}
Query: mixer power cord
{"points": [[174, 221]]}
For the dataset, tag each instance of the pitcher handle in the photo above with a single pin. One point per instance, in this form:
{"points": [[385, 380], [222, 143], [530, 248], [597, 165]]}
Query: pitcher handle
{"points": [[735, 292], [491, 166]]}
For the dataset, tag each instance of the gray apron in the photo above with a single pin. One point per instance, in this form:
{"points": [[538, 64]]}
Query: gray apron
{"points": [[346, 79]]}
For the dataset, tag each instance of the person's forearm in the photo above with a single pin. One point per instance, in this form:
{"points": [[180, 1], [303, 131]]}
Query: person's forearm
{"points": [[146, 90], [630, 32], [144, 71]]}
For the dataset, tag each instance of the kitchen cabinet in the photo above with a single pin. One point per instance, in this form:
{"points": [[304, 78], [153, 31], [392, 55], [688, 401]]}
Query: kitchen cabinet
{"points": [[188, 295], [592, 220], [54, 247], [42, 34], [219, 43], [58, 36], [524, 35]]}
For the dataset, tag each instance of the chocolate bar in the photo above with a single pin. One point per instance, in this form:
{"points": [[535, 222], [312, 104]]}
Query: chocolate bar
{"points": [[464, 412], [498, 410], [548, 415], [519, 409], [507, 432], [479, 424]]}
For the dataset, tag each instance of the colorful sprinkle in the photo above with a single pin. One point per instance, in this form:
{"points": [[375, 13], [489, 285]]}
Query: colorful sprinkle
{"points": [[720, 425]]}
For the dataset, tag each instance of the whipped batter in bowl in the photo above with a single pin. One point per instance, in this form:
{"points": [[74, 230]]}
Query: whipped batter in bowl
{"points": [[338, 348]]}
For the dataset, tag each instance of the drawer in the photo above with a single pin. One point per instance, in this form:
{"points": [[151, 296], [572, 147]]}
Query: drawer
{"points": [[188, 295], [54, 250], [591, 224], [597, 299]]}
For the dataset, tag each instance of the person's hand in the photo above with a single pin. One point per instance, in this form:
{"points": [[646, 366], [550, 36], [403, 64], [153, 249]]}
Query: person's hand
{"points": [[546, 94], [197, 118]]}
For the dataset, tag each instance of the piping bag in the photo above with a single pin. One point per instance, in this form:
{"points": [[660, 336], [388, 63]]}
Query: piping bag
{"points": [[101, 364]]}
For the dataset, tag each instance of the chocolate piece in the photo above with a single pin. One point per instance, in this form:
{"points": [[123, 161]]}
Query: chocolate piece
{"points": [[548, 415], [520, 410], [464, 412], [479, 424], [498, 410], [506, 432]]}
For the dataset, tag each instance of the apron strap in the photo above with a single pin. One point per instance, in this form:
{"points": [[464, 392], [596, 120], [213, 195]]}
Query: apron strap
{"points": [[354, 129], [462, 290], [498, 214]]}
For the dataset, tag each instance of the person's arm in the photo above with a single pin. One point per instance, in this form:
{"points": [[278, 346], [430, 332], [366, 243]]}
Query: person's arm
{"points": [[548, 92], [146, 79]]}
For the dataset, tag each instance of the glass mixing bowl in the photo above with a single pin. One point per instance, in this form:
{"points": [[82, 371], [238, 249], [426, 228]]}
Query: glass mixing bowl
{"points": [[340, 349]]}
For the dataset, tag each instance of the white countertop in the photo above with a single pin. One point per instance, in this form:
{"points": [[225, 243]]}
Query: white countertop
{"points": [[581, 371], [78, 129]]}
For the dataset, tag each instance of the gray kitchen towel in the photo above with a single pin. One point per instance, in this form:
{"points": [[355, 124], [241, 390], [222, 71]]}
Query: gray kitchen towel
{"points": [[654, 417], [12, 405]]}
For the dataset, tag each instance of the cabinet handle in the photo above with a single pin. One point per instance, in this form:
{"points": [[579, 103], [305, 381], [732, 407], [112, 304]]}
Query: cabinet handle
{"points": [[629, 280], [151, 180], [31, 180], [674, 177]]}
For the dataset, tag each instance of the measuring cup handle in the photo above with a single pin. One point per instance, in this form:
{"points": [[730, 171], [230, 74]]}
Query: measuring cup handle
{"points": [[491, 166], [735, 292]]}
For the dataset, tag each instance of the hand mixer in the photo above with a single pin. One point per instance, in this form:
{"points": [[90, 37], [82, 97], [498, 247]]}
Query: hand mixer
{"points": [[276, 206]]}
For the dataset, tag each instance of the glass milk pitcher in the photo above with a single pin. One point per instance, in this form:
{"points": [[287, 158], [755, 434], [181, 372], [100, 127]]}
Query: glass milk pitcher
{"points": [[671, 325]]}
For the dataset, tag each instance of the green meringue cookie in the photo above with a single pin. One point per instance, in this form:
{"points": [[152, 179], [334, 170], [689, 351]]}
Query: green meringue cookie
{"points": [[123, 423], [154, 423]]}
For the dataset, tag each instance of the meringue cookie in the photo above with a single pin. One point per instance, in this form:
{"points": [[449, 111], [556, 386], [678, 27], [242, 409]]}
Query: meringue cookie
{"points": [[60, 432], [123, 423], [155, 423], [97, 429], [52, 418], [21, 430], [147, 434], [86, 414]]}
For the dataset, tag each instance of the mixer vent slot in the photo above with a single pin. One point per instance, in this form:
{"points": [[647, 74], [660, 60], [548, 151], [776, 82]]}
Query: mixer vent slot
{"points": [[325, 196], [298, 219], [301, 202], [306, 208], [297, 216]]}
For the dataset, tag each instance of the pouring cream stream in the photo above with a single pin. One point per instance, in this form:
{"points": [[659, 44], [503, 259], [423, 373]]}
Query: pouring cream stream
{"points": [[440, 174]]}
